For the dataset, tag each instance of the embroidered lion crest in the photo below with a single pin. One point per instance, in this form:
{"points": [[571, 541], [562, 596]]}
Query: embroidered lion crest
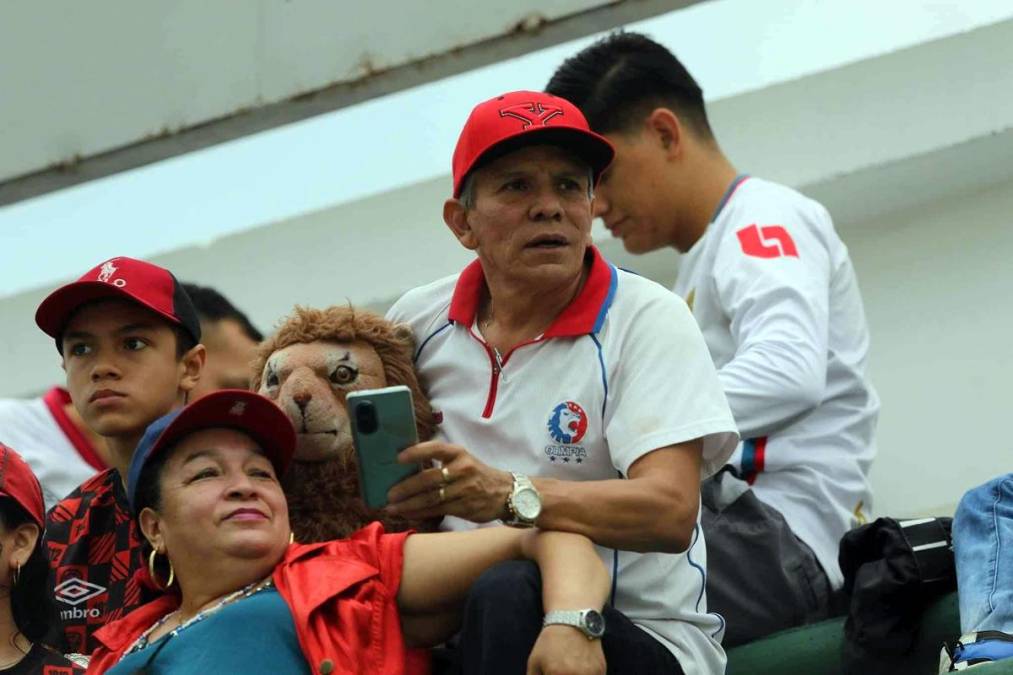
{"points": [[568, 423]]}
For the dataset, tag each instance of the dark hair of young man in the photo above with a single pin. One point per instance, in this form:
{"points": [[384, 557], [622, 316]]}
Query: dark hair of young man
{"points": [[619, 79], [212, 306], [31, 602]]}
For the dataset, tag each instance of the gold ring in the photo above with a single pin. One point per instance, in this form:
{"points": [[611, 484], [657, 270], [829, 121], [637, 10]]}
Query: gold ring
{"points": [[446, 474], [443, 494]]}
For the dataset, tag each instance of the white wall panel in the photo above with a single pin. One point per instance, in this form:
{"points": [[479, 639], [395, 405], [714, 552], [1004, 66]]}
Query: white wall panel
{"points": [[78, 79], [938, 288], [310, 44]]}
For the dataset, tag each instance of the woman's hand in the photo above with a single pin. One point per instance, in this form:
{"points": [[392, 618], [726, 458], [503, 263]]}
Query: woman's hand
{"points": [[564, 650]]}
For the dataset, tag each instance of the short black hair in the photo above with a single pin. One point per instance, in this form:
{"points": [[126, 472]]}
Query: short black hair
{"points": [[184, 341], [212, 306], [622, 77], [31, 597]]}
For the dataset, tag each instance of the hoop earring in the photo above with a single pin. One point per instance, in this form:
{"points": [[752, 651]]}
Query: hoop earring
{"points": [[291, 537], [17, 574], [154, 577]]}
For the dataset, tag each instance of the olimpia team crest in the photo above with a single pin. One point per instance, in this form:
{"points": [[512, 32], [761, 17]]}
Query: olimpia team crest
{"points": [[567, 426]]}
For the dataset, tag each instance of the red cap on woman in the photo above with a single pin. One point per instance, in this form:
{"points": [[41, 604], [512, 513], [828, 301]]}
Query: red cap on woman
{"points": [[18, 482]]}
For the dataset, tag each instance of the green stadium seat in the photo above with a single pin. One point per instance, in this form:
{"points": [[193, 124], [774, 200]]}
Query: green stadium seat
{"points": [[816, 649]]}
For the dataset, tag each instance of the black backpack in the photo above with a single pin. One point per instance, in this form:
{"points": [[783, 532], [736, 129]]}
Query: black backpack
{"points": [[892, 570]]}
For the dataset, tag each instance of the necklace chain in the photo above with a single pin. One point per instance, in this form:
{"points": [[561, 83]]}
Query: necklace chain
{"points": [[244, 592]]}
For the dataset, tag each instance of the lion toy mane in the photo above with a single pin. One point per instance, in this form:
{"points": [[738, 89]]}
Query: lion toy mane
{"points": [[308, 367]]}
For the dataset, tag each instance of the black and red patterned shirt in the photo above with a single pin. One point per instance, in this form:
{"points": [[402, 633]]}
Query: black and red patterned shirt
{"points": [[41, 661], [95, 553]]}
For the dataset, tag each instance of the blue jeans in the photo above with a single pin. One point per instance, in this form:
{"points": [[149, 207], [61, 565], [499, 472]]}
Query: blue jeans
{"points": [[983, 552]]}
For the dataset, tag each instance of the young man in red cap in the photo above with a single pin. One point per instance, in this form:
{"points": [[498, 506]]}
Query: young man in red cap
{"points": [[129, 337], [64, 452], [575, 397]]}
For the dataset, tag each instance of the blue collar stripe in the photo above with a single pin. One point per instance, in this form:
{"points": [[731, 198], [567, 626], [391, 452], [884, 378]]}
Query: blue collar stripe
{"points": [[728, 194], [603, 312]]}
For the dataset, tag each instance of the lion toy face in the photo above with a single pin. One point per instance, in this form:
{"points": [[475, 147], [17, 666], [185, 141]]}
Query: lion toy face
{"points": [[317, 357], [310, 382], [308, 367]]}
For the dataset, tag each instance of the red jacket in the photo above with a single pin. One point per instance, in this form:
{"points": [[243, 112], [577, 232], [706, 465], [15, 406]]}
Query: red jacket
{"points": [[343, 599]]}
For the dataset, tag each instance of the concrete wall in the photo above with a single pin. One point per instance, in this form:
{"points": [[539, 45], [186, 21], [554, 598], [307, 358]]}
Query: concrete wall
{"points": [[97, 77], [938, 287]]}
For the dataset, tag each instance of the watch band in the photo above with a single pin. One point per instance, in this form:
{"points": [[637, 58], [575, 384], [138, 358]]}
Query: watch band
{"points": [[521, 483], [565, 617], [579, 619]]}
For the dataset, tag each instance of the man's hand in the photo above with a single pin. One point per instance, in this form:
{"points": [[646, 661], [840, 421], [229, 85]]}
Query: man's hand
{"points": [[564, 650], [463, 487]]}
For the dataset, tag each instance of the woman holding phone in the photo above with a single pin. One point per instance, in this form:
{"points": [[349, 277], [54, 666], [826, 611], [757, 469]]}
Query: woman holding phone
{"points": [[243, 598]]}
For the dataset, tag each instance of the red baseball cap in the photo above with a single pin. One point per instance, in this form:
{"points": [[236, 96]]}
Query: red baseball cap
{"points": [[17, 482], [511, 121], [238, 409], [149, 285]]}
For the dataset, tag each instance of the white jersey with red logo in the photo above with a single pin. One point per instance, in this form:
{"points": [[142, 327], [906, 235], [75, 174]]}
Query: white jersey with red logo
{"points": [[774, 292], [39, 430], [621, 372]]}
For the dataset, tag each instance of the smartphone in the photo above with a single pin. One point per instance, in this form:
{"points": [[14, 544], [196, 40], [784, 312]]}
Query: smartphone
{"points": [[383, 424]]}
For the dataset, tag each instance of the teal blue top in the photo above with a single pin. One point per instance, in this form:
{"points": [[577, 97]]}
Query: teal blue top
{"points": [[251, 635]]}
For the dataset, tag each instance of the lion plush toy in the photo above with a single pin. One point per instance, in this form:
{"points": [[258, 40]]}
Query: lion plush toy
{"points": [[308, 367]]}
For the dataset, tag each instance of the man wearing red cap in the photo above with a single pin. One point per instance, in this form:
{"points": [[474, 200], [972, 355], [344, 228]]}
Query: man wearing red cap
{"points": [[575, 396], [129, 339]]}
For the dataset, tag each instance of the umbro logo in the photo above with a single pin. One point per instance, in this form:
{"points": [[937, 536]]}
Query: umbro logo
{"points": [[75, 591]]}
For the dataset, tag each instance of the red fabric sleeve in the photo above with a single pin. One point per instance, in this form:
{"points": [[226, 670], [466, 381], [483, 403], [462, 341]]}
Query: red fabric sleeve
{"points": [[385, 551]]}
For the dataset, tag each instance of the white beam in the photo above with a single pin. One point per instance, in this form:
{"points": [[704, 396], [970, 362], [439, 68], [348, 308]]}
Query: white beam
{"points": [[110, 86]]}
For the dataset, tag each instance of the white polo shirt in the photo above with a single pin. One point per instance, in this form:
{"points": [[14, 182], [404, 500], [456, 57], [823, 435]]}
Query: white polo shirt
{"points": [[621, 372], [39, 430], [776, 297]]}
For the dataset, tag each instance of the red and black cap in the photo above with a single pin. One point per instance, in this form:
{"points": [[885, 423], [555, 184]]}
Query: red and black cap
{"points": [[147, 284], [245, 411], [17, 482], [520, 118]]}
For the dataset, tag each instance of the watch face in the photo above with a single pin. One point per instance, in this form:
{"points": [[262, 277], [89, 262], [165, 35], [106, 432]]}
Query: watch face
{"points": [[594, 622], [527, 504]]}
